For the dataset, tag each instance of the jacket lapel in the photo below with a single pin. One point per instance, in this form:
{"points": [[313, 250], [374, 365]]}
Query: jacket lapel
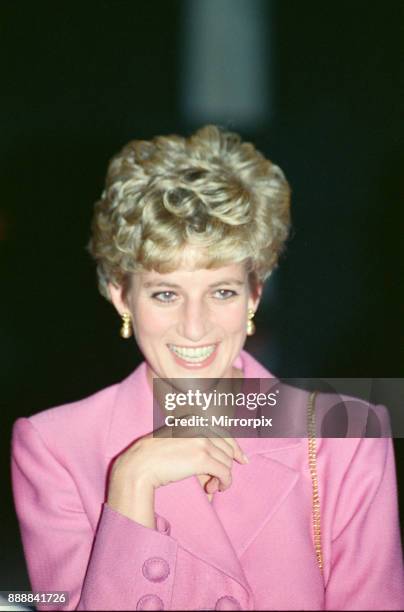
{"points": [[258, 490]]}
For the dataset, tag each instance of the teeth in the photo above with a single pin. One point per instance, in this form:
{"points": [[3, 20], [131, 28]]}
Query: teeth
{"points": [[193, 354]]}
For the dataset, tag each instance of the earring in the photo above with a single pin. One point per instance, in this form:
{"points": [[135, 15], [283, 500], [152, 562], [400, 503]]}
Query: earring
{"points": [[250, 322], [126, 328]]}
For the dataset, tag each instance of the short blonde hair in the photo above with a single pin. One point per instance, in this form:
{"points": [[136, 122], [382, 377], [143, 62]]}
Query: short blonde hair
{"points": [[209, 190]]}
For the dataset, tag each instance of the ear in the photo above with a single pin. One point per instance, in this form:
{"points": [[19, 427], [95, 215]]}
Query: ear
{"points": [[116, 294], [255, 297]]}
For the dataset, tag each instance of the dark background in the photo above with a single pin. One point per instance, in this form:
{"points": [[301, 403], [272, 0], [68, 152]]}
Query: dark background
{"points": [[79, 80]]}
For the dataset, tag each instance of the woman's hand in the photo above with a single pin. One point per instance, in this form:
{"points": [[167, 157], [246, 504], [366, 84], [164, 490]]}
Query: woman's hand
{"points": [[156, 460]]}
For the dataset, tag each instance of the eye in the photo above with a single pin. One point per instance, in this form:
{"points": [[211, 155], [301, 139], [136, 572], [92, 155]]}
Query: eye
{"points": [[156, 296], [226, 292]]}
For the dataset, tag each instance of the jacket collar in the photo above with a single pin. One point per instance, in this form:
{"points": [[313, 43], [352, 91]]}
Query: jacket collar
{"points": [[258, 488]]}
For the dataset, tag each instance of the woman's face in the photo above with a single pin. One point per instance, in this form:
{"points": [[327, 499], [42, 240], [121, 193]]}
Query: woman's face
{"points": [[189, 323]]}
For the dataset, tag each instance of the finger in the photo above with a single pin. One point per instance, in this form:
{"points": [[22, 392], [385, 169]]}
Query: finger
{"points": [[208, 450], [222, 434], [224, 445], [220, 455], [212, 485], [222, 439], [220, 470], [218, 435]]}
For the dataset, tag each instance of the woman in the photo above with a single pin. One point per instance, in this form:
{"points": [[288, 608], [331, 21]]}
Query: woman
{"points": [[184, 236]]}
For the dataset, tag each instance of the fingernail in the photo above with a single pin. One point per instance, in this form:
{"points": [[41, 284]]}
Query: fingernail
{"points": [[246, 459]]}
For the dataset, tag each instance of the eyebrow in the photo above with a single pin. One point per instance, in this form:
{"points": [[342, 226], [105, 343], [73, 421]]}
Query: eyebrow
{"points": [[227, 281]]}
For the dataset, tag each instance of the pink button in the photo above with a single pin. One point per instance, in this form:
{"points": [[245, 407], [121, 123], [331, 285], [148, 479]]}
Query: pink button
{"points": [[150, 602], [227, 603], [155, 569]]}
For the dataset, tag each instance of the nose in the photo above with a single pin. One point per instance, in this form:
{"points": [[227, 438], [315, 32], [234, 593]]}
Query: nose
{"points": [[194, 324]]}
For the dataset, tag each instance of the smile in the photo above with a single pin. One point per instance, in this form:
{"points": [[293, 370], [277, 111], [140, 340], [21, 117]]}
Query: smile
{"points": [[193, 355]]}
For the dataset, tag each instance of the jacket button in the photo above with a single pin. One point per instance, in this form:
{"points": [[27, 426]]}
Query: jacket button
{"points": [[150, 602], [227, 603], [155, 569]]}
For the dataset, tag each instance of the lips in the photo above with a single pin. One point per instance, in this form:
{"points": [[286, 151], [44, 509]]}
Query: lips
{"points": [[192, 353], [195, 357]]}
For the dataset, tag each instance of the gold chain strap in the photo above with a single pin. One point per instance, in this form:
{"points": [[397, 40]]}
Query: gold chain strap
{"points": [[311, 435]]}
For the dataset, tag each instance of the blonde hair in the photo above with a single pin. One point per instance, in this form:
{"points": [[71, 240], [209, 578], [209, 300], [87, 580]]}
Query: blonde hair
{"points": [[210, 190]]}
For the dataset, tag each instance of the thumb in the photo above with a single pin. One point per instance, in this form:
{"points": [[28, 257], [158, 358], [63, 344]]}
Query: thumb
{"points": [[212, 485]]}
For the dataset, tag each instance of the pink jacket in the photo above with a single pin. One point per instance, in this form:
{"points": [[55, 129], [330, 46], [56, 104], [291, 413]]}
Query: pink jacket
{"points": [[250, 549]]}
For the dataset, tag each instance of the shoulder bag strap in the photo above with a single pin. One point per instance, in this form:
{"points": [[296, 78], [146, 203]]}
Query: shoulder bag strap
{"points": [[311, 437]]}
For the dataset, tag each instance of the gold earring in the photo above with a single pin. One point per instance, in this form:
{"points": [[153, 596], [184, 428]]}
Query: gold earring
{"points": [[126, 328], [250, 322]]}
